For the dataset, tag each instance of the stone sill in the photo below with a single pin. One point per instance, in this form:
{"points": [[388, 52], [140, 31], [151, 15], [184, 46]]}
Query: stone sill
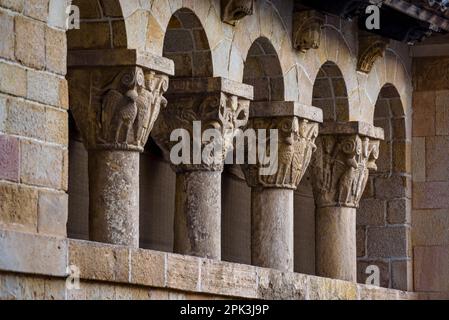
{"points": [[49, 256]]}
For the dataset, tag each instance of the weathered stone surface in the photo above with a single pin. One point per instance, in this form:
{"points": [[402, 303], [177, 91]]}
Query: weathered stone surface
{"points": [[99, 261], [183, 272], [442, 113], [55, 48], [430, 195], [114, 190], [33, 254], [30, 42], [424, 114], [9, 158], [361, 241], [41, 164], [229, 279], [93, 35], [399, 211], [402, 275], [388, 242], [392, 187], [6, 36], [52, 213], [272, 228], [18, 207], [419, 159], [13, 79], [147, 268], [16, 5], [198, 214], [336, 251], [277, 285], [371, 212], [430, 227], [46, 88], [433, 265], [437, 158], [37, 9]]}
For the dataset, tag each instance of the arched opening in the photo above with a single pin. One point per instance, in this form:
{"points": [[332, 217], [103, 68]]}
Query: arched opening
{"points": [[102, 27], [329, 94], [263, 71], [383, 219], [186, 44]]}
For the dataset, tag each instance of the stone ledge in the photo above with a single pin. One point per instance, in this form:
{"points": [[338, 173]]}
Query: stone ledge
{"points": [[285, 109], [352, 127], [37, 254]]}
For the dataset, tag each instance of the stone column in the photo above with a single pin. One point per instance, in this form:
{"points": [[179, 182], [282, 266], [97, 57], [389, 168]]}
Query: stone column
{"points": [[195, 106], [115, 109], [272, 186], [340, 169]]}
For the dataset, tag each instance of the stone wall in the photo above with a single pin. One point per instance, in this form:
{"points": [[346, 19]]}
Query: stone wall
{"points": [[35, 267], [430, 234]]}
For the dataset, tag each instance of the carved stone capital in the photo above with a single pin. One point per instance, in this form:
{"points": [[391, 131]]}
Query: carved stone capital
{"points": [[212, 103], [235, 10], [371, 47], [297, 129], [116, 95], [307, 29], [340, 166], [115, 108]]}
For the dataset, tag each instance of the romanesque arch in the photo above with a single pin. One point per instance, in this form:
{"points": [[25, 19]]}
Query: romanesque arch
{"points": [[384, 216]]}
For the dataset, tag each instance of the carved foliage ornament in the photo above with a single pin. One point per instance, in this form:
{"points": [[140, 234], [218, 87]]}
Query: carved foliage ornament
{"points": [[296, 143], [307, 30], [122, 108], [234, 10], [222, 112], [340, 169]]}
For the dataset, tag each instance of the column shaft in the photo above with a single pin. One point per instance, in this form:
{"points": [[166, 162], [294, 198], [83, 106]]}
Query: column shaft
{"points": [[114, 197], [272, 228], [336, 243], [197, 225]]}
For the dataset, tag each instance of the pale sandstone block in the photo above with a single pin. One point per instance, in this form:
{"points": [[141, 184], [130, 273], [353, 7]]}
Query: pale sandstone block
{"points": [[30, 42], [57, 126], [277, 285], [57, 14], [100, 261], [25, 119], [33, 254], [6, 36], [46, 88], [37, 9], [52, 213], [55, 50], [18, 207], [41, 164], [183, 272], [148, 268], [15, 5], [13, 79], [229, 279]]}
